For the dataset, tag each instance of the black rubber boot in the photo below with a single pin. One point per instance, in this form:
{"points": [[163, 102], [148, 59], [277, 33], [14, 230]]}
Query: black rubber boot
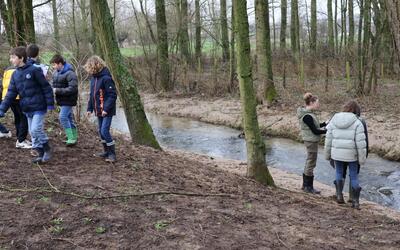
{"points": [[356, 198], [339, 191], [350, 192], [309, 188], [111, 157], [105, 153], [47, 152], [304, 182], [38, 158]]}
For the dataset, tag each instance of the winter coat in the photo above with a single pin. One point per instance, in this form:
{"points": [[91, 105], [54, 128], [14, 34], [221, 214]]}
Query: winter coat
{"points": [[305, 130], [65, 83], [33, 89], [345, 140], [103, 95], [6, 81]]}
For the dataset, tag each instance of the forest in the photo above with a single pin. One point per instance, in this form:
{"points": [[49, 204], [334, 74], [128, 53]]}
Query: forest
{"points": [[231, 124]]}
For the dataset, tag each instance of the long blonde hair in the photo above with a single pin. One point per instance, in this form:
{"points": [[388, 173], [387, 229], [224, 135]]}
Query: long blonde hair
{"points": [[94, 65]]}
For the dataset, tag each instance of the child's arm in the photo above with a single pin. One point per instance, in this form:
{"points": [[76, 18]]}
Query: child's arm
{"points": [[111, 95], [90, 102], [45, 86], [10, 96], [72, 88]]}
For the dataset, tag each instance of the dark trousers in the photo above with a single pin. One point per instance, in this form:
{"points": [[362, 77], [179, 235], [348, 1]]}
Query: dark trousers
{"points": [[20, 121], [3, 129]]}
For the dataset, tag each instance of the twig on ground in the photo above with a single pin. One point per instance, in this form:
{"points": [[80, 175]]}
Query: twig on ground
{"points": [[48, 181], [8, 189], [283, 243]]}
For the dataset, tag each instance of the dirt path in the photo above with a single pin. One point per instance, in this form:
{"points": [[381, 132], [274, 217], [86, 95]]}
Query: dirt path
{"points": [[91, 204], [384, 131]]}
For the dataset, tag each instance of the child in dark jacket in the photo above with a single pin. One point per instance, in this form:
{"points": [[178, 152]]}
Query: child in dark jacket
{"points": [[65, 86], [20, 120], [36, 97], [102, 102]]}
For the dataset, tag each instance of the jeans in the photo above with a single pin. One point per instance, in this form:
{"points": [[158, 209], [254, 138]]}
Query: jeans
{"points": [[104, 124], [66, 117], [36, 129], [353, 172], [20, 121]]}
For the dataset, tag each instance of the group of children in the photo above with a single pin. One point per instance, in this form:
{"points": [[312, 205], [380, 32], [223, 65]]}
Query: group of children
{"points": [[28, 93], [346, 145]]}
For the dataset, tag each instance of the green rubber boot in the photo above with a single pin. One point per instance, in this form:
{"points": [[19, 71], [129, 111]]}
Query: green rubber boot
{"points": [[70, 137], [75, 134]]}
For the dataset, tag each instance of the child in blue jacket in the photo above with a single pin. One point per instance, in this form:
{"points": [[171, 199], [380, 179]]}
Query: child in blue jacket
{"points": [[36, 97], [102, 102]]}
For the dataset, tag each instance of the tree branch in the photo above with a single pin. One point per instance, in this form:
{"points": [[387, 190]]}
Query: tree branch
{"points": [[41, 4]]}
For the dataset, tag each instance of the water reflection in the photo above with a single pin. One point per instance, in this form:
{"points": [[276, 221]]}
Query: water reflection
{"points": [[379, 178]]}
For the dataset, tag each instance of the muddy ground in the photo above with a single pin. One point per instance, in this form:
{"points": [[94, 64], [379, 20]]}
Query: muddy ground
{"points": [[165, 200]]}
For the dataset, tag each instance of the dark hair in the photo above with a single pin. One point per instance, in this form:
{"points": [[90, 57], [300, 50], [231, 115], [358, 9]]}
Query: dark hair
{"points": [[309, 98], [57, 59], [352, 107], [20, 52], [32, 50]]}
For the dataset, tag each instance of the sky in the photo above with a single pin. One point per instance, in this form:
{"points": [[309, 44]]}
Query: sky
{"points": [[43, 14]]}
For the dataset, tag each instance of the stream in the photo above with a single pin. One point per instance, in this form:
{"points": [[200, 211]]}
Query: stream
{"points": [[379, 178]]}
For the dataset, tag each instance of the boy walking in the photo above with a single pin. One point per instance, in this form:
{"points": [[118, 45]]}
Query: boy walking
{"points": [[65, 86], [20, 120], [36, 97]]}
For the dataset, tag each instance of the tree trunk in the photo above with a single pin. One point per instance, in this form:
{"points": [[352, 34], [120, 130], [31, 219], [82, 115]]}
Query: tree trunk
{"points": [[183, 33], [140, 129], [146, 18], [336, 30], [94, 37], [57, 44], [198, 32], [331, 38], [17, 17], [350, 42], [282, 37], [29, 24], [6, 17], [393, 10], [313, 41], [360, 49], [224, 31], [162, 46], [294, 28], [77, 41], [257, 168], [365, 45], [232, 61], [263, 50]]}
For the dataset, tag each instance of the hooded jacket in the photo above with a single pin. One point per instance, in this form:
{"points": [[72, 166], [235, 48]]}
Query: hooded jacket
{"points": [[345, 140], [33, 89], [305, 130], [103, 95], [65, 82]]}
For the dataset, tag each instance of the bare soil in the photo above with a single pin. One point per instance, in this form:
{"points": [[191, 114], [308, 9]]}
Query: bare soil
{"points": [[165, 200]]}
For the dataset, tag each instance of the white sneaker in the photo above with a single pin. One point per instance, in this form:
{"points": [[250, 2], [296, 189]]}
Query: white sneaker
{"points": [[5, 135], [25, 144]]}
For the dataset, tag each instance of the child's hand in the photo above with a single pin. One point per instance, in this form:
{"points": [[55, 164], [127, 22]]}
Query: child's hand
{"points": [[104, 113]]}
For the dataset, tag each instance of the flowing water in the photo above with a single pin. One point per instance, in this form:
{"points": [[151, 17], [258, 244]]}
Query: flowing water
{"points": [[379, 178]]}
